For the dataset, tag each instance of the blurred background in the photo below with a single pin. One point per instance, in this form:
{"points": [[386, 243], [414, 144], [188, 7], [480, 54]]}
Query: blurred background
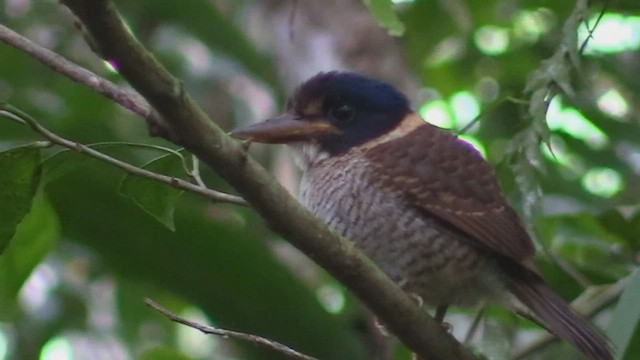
{"points": [[558, 119]]}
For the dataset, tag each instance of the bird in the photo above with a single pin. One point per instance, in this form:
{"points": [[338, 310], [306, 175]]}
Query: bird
{"points": [[420, 202]]}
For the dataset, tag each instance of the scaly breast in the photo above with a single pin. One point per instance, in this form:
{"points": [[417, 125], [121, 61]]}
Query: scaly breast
{"points": [[414, 250]]}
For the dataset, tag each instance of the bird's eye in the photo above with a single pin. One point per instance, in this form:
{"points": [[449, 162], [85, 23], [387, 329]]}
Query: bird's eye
{"points": [[343, 113]]}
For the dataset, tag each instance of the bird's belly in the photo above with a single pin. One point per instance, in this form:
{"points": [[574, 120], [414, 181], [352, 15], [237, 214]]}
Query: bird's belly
{"points": [[422, 255]]}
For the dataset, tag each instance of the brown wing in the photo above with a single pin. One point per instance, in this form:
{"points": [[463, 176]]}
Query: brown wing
{"points": [[446, 178]]}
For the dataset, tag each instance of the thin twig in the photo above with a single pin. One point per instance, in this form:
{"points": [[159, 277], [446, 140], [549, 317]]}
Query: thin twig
{"points": [[510, 98], [255, 339], [175, 152], [493, 106], [128, 99], [591, 30], [473, 328], [587, 304], [194, 173], [16, 114]]}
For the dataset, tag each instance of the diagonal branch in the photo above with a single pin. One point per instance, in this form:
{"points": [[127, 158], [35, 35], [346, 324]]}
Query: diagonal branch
{"points": [[197, 133], [127, 99]]}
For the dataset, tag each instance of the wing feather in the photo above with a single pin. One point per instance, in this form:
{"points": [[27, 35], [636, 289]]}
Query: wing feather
{"points": [[446, 177]]}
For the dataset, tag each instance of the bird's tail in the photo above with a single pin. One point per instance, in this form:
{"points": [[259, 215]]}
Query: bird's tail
{"points": [[558, 317]]}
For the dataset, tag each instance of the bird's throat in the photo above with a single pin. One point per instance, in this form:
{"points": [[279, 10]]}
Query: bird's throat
{"points": [[308, 153]]}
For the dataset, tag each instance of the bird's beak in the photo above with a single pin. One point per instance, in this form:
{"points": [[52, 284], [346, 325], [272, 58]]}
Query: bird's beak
{"points": [[285, 129]]}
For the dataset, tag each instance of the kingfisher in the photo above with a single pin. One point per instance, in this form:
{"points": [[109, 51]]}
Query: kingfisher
{"points": [[420, 202]]}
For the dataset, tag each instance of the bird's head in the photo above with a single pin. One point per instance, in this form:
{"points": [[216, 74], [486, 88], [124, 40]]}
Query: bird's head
{"points": [[335, 111]]}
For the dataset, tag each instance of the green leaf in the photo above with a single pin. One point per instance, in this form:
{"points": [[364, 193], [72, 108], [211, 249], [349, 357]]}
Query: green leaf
{"points": [[19, 178], [155, 198], [624, 328], [61, 163], [617, 224], [382, 11], [34, 238]]}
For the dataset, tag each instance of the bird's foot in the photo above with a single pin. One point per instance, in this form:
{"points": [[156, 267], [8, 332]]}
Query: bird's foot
{"points": [[417, 298], [419, 301], [380, 326], [245, 145], [447, 327]]}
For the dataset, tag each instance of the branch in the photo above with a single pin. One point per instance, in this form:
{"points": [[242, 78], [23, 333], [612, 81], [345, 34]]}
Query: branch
{"points": [[21, 117], [258, 340], [129, 100], [199, 135]]}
